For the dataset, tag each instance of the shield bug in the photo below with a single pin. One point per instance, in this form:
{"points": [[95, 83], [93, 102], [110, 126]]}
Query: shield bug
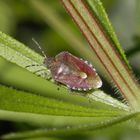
{"points": [[72, 71]]}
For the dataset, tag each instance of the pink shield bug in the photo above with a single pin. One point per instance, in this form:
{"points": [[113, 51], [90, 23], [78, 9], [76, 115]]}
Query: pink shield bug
{"points": [[72, 71]]}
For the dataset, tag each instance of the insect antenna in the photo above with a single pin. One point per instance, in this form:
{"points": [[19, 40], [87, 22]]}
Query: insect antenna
{"points": [[42, 51]]}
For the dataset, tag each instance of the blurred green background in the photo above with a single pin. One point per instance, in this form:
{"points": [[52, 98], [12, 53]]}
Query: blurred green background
{"points": [[24, 20]]}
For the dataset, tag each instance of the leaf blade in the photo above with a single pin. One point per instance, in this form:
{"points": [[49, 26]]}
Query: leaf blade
{"points": [[24, 102], [68, 130]]}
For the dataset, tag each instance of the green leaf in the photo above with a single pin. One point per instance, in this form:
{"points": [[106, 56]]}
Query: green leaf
{"points": [[69, 130], [41, 111], [20, 54], [24, 102]]}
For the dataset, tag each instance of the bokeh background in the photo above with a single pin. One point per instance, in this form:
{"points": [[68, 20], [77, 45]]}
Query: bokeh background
{"points": [[24, 20]]}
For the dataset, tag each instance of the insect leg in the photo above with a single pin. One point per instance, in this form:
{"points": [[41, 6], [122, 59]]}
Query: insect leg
{"points": [[38, 71], [32, 65], [46, 75]]}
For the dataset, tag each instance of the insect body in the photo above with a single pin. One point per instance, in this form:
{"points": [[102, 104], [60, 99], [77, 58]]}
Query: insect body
{"points": [[72, 71], [76, 73]]}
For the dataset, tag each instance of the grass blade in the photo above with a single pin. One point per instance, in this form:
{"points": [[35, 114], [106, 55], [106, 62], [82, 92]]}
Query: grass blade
{"points": [[67, 130]]}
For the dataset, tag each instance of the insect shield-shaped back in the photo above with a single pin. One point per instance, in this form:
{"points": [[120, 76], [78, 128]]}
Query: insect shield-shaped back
{"points": [[69, 70]]}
